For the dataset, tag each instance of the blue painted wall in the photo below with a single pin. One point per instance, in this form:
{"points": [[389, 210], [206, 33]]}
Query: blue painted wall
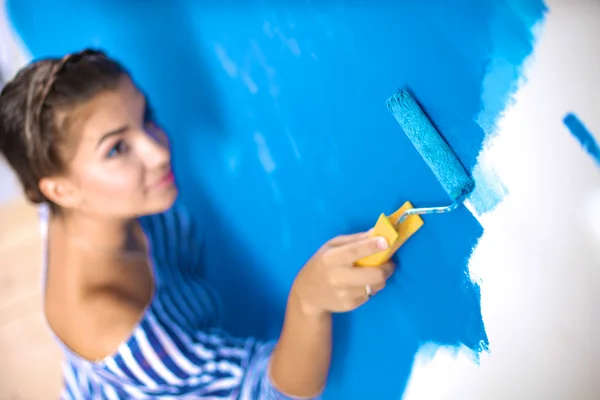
{"points": [[282, 140]]}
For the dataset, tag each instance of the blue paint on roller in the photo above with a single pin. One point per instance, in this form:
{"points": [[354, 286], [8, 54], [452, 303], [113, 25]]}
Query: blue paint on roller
{"points": [[431, 145], [583, 135]]}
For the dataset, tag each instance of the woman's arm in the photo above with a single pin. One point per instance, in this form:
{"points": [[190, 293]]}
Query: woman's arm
{"points": [[300, 362], [328, 283]]}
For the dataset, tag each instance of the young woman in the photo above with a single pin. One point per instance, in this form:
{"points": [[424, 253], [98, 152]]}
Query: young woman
{"points": [[124, 293]]}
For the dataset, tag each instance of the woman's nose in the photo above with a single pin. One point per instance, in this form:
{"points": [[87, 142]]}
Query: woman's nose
{"points": [[157, 147]]}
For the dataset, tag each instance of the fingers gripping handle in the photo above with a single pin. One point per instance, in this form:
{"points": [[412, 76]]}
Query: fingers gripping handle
{"points": [[396, 236]]}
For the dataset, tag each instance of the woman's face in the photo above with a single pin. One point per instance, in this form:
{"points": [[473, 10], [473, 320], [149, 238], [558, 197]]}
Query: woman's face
{"points": [[121, 164]]}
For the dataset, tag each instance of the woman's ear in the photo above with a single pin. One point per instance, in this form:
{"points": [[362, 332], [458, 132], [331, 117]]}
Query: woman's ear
{"points": [[60, 191]]}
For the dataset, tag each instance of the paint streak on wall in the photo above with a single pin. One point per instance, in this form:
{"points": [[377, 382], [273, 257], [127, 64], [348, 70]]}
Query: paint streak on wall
{"points": [[509, 47], [282, 140], [583, 136]]}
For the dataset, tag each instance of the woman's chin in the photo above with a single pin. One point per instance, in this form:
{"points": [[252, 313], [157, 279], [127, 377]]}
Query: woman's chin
{"points": [[161, 202]]}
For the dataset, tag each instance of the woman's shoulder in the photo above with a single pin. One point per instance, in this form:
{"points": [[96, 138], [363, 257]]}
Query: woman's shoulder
{"points": [[93, 301], [96, 323]]}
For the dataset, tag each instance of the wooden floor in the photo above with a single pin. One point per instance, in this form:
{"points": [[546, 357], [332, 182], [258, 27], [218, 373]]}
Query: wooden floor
{"points": [[29, 358]]}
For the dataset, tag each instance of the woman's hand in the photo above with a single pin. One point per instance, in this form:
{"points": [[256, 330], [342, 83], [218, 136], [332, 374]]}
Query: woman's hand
{"points": [[328, 283], [331, 283]]}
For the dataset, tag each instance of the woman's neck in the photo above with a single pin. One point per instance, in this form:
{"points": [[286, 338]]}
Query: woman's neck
{"points": [[101, 233]]}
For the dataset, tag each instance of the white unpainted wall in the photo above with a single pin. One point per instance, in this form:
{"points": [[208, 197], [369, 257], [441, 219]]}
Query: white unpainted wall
{"points": [[538, 261]]}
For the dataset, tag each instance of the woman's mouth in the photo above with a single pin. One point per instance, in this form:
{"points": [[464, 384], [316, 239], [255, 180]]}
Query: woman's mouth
{"points": [[165, 181]]}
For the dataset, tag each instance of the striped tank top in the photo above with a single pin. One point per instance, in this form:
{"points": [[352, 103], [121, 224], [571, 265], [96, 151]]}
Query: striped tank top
{"points": [[175, 351]]}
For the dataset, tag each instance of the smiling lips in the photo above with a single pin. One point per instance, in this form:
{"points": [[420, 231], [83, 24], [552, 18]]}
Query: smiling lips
{"points": [[165, 181]]}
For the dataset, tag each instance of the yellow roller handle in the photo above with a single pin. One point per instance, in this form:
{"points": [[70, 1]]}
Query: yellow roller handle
{"points": [[395, 237]]}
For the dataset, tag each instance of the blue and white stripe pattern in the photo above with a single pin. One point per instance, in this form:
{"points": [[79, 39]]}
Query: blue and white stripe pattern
{"points": [[174, 352]]}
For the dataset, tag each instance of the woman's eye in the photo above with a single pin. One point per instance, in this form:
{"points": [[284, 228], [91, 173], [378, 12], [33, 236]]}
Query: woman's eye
{"points": [[118, 149]]}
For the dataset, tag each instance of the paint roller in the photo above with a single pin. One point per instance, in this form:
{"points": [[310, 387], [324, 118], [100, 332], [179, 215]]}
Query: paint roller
{"points": [[401, 225]]}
